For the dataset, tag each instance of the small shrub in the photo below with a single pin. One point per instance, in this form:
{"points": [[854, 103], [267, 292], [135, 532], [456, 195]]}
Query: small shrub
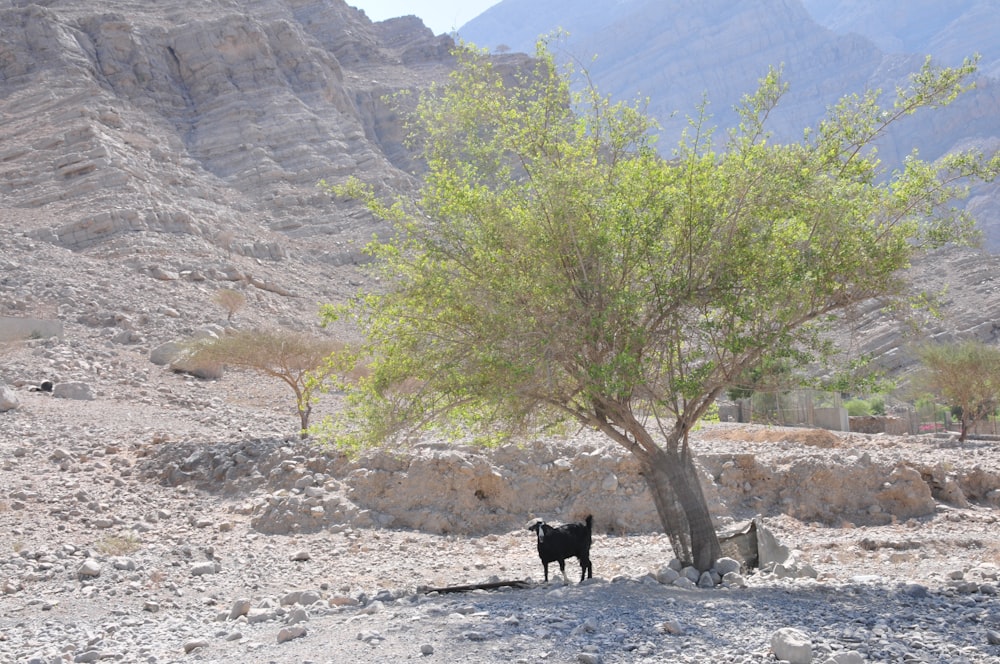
{"points": [[118, 545], [858, 408], [230, 300], [877, 405]]}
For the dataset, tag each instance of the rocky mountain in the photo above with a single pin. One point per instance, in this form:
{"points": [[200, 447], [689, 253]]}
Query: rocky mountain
{"points": [[152, 155], [214, 121], [946, 29], [677, 54]]}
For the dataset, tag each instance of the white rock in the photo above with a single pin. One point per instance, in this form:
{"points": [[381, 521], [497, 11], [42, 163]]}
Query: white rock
{"points": [[667, 575], [684, 582], [691, 573], [734, 580], [89, 568], [792, 645], [849, 657], [8, 399], [73, 390], [726, 565]]}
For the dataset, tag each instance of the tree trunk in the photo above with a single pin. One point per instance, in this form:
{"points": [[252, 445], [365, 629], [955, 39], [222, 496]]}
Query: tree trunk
{"points": [[673, 480], [304, 417]]}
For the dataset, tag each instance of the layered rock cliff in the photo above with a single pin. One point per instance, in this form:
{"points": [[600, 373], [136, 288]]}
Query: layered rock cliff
{"points": [[215, 119]]}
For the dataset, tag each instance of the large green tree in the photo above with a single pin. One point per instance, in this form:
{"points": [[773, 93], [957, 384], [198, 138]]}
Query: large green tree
{"points": [[965, 375], [556, 265]]}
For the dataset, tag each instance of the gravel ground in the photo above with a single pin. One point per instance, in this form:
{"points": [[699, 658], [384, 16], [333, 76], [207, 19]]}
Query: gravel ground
{"points": [[105, 562]]}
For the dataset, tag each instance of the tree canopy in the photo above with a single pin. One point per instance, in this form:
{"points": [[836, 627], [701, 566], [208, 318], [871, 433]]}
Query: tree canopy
{"points": [[302, 361], [965, 375], [557, 266]]}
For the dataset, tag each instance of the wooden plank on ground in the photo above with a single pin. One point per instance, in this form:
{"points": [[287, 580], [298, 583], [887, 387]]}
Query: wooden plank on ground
{"points": [[493, 585]]}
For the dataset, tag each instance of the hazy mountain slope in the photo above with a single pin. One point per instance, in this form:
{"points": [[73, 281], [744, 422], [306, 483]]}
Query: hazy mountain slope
{"points": [[947, 29], [682, 52]]}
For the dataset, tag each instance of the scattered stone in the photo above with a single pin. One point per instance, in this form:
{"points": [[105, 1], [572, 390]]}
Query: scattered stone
{"points": [[90, 568], [792, 645], [917, 590], [239, 607], [194, 644], [73, 390], [8, 399], [286, 634], [849, 657], [205, 567]]}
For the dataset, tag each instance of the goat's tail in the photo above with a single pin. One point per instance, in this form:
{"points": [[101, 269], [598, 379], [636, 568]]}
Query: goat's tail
{"points": [[590, 521]]}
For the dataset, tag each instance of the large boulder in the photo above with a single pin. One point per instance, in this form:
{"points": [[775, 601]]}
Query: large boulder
{"points": [[73, 390], [8, 399]]}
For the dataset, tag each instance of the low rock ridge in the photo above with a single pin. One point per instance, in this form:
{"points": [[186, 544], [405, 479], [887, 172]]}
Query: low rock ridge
{"points": [[473, 491]]}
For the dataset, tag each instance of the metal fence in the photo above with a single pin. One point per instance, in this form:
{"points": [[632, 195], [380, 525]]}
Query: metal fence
{"points": [[813, 408]]}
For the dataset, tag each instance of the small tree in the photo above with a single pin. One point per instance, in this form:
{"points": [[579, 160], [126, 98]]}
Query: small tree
{"points": [[230, 300], [965, 375], [557, 266], [301, 361]]}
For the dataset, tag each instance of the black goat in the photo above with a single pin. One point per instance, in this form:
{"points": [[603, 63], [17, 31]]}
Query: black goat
{"points": [[562, 542]]}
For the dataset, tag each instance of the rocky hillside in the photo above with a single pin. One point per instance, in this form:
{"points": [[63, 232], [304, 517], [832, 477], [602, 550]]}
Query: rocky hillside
{"points": [[151, 155], [188, 139]]}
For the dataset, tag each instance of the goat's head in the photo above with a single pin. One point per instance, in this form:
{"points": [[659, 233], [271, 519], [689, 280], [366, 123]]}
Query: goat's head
{"points": [[536, 526]]}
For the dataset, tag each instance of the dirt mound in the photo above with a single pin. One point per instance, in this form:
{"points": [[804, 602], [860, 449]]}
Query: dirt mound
{"points": [[763, 434]]}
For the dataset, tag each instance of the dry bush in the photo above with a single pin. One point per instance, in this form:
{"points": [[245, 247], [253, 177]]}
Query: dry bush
{"points": [[230, 300], [118, 545], [300, 360]]}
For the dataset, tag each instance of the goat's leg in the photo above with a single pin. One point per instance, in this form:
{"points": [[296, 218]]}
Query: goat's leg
{"points": [[546, 566], [562, 568], [585, 568]]}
